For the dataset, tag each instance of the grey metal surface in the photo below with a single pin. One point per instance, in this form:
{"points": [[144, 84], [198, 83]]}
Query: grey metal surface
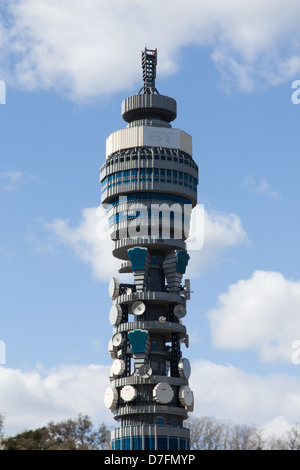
{"points": [[149, 106]]}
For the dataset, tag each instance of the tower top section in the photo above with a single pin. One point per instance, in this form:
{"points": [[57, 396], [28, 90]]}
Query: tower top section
{"points": [[149, 108], [149, 62]]}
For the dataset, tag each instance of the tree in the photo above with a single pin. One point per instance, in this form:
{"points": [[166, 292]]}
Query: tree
{"points": [[206, 433], [290, 440], [72, 434], [27, 440], [1, 429], [245, 437], [209, 433], [103, 437], [78, 434]]}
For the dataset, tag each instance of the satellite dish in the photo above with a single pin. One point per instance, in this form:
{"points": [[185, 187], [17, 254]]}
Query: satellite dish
{"points": [[163, 393], [113, 287], [115, 314], [117, 367], [112, 350], [128, 291], [111, 398], [162, 319], [145, 371], [138, 308], [117, 340], [184, 368], [111, 375], [186, 396], [179, 311], [128, 393], [191, 407], [187, 289]]}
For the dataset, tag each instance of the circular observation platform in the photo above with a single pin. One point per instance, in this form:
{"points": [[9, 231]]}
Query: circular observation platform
{"points": [[149, 106]]}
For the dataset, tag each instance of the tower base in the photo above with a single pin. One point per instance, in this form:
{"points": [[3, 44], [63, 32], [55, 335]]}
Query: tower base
{"points": [[150, 437]]}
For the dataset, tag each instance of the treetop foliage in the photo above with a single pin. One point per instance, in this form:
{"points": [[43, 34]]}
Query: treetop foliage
{"points": [[78, 434], [207, 433]]}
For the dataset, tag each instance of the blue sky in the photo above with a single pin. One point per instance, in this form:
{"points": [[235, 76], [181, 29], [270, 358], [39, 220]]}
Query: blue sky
{"points": [[66, 70]]}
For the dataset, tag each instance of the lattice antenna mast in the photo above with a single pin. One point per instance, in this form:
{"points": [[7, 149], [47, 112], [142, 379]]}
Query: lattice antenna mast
{"points": [[149, 62]]}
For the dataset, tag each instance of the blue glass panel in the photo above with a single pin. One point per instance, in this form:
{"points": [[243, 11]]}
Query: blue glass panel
{"points": [[173, 441], [182, 444], [126, 443], [152, 196], [118, 444], [162, 443], [137, 443], [149, 443]]}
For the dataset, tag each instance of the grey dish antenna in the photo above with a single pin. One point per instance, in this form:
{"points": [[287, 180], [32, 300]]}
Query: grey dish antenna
{"points": [[145, 371], [179, 311], [113, 288], [138, 308]]}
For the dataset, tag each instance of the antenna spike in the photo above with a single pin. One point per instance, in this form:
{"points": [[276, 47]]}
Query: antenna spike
{"points": [[149, 62]]}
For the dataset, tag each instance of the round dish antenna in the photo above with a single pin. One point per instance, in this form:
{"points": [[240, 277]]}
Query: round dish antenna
{"points": [[138, 308], [179, 311]]}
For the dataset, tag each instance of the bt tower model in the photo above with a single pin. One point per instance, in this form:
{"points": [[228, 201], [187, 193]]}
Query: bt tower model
{"points": [[149, 187]]}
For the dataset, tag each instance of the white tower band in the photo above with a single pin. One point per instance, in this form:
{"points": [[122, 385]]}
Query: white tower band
{"points": [[149, 187]]}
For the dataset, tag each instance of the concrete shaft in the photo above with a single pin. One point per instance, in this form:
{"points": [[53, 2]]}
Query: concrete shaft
{"points": [[149, 187]]}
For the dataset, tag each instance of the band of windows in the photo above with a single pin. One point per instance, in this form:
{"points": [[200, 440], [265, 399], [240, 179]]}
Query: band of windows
{"points": [[158, 175], [163, 443], [151, 196]]}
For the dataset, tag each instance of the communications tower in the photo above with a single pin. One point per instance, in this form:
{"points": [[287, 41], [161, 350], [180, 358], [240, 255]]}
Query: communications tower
{"points": [[149, 186]]}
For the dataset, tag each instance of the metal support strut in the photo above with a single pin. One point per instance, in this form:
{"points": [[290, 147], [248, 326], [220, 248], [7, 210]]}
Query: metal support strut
{"points": [[149, 62]]}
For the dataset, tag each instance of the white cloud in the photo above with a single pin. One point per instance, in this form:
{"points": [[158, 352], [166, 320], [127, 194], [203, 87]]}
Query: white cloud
{"points": [[91, 243], [260, 313], [13, 180], [31, 399], [226, 392], [221, 231], [93, 47], [10, 180], [262, 187]]}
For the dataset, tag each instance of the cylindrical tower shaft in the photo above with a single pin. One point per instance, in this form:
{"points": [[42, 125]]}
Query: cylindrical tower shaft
{"points": [[149, 187]]}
